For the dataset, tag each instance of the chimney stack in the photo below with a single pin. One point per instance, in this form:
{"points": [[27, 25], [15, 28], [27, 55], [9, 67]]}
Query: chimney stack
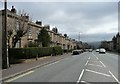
{"points": [[13, 9], [39, 22]]}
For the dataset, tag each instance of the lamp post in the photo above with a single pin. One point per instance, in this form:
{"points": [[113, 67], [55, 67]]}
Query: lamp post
{"points": [[80, 43], [79, 36]]}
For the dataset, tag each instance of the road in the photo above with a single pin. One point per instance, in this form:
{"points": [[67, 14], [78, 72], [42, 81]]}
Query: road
{"points": [[88, 67]]}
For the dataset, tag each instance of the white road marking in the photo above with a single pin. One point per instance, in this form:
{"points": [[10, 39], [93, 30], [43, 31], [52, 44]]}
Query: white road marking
{"points": [[95, 61], [102, 64], [97, 72], [55, 62], [95, 56], [83, 81], [80, 76], [89, 58], [86, 63], [19, 76], [95, 65], [114, 77], [51, 63]]}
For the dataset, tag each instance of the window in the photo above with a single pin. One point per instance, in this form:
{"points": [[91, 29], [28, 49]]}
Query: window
{"points": [[17, 44], [17, 25]]}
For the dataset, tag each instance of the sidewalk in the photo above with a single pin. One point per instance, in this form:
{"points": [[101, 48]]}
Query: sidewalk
{"points": [[17, 69]]}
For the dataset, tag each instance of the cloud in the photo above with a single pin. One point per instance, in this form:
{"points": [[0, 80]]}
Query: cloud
{"points": [[91, 18], [62, 0], [93, 37]]}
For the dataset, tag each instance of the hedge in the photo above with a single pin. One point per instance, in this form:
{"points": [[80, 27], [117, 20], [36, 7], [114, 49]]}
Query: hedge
{"points": [[33, 52], [57, 50], [67, 51]]}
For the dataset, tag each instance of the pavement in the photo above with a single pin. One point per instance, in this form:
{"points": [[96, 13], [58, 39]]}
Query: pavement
{"points": [[17, 69]]}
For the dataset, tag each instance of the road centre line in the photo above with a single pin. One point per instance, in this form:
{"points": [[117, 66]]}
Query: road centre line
{"points": [[95, 65], [102, 63], [86, 63], [114, 77], [12, 79], [80, 76], [95, 56], [97, 72]]}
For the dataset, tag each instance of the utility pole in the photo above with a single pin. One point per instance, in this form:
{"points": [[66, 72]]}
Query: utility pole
{"points": [[5, 59]]}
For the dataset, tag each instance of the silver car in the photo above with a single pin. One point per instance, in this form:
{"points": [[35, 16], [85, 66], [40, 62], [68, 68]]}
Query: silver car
{"points": [[102, 50]]}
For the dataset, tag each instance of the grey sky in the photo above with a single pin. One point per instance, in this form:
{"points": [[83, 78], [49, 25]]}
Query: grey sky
{"points": [[95, 20]]}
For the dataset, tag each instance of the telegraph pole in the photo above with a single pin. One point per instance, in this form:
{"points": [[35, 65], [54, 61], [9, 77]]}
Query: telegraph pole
{"points": [[5, 60]]}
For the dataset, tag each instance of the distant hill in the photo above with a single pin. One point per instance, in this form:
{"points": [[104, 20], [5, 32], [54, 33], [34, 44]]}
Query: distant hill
{"points": [[95, 44]]}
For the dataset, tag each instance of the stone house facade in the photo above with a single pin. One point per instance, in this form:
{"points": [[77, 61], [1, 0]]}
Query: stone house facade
{"points": [[33, 30]]}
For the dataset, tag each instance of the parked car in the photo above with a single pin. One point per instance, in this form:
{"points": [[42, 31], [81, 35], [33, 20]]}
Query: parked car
{"points": [[81, 50], [102, 50], [97, 50], [86, 50], [90, 50], [76, 52]]}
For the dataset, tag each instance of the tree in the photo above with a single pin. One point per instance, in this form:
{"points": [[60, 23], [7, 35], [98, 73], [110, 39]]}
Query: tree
{"points": [[44, 38], [11, 26], [9, 33], [18, 27], [114, 39]]}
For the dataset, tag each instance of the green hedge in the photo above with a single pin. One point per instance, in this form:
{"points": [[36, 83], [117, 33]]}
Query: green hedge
{"points": [[32, 52], [67, 51], [57, 51]]}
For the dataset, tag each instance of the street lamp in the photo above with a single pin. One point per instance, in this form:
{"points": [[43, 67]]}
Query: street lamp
{"points": [[79, 37]]}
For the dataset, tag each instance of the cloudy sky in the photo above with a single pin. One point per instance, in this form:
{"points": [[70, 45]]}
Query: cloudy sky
{"points": [[94, 21]]}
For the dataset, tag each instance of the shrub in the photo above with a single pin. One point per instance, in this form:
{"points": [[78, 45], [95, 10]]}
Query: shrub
{"points": [[57, 50], [45, 51], [31, 44], [33, 52], [67, 51], [15, 61]]}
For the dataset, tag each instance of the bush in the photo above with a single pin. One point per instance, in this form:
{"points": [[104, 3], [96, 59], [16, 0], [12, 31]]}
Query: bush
{"points": [[22, 53], [45, 51], [33, 52], [31, 44], [15, 61], [57, 50], [70, 50], [67, 51]]}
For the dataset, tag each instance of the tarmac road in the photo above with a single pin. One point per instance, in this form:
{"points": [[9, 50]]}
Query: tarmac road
{"points": [[88, 67]]}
